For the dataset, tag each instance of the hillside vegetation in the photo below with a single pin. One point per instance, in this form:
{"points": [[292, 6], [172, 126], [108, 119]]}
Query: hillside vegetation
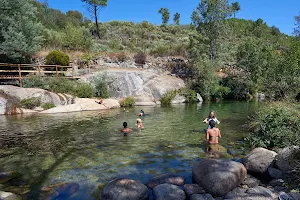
{"points": [[255, 57]]}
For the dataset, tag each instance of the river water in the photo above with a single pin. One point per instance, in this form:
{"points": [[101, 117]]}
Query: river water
{"points": [[87, 147]]}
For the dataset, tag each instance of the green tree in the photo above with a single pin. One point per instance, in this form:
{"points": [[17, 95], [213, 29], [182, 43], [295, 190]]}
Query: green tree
{"points": [[297, 28], [165, 15], [210, 22], [235, 7], [20, 33], [176, 18], [94, 7]]}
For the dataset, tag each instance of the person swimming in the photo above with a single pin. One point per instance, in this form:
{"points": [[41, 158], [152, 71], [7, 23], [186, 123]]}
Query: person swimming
{"points": [[213, 134], [125, 129], [139, 123], [141, 114]]}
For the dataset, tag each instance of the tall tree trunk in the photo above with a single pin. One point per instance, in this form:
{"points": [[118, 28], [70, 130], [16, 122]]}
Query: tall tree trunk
{"points": [[96, 21]]}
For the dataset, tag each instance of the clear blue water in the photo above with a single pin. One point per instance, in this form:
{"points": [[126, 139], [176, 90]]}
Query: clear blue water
{"points": [[87, 147]]}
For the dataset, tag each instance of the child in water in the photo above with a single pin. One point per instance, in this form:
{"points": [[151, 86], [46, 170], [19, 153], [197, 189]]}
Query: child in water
{"points": [[212, 116], [139, 123]]}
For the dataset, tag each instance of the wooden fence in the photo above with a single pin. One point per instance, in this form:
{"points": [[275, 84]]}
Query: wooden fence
{"points": [[21, 71]]}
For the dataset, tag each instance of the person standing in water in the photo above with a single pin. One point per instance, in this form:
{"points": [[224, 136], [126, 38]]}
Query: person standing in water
{"points": [[213, 134], [139, 123], [141, 114], [212, 116], [125, 129]]}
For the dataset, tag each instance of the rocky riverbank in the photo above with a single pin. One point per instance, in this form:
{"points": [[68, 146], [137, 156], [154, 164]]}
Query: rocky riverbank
{"points": [[260, 175]]}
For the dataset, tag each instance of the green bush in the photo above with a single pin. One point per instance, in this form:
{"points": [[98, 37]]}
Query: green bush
{"points": [[57, 58], [61, 85], [101, 86], [275, 126], [190, 95], [127, 102], [167, 98], [30, 103], [48, 106]]}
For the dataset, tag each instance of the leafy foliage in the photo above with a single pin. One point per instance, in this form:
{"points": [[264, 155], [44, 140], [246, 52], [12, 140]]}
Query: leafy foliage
{"points": [[60, 85], [101, 85], [167, 98], [20, 34], [176, 19], [127, 102], [48, 106], [277, 125], [30, 103], [57, 58], [165, 15], [140, 58]]}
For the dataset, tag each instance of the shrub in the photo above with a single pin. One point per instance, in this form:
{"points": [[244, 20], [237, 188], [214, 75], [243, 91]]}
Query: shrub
{"points": [[190, 95], [276, 126], [83, 90], [167, 98], [57, 58], [34, 82], [127, 102], [101, 86], [48, 106], [140, 58], [30, 103]]}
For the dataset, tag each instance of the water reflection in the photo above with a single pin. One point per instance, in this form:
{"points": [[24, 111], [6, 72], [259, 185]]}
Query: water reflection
{"points": [[87, 147]]}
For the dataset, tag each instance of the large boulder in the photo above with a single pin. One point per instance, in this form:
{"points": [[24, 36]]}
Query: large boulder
{"points": [[259, 160], [286, 158], [9, 196], [124, 189], [168, 192], [275, 173], [201, 197], [178, 99], [218, 177], [166, 178]]}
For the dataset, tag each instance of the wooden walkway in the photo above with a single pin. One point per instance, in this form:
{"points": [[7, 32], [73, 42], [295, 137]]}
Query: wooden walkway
{"points": [[21, 71]]}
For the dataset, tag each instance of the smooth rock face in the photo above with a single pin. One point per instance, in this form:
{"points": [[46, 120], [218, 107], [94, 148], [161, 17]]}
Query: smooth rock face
{"points": [[199, 98], [259, 160], [191, 189], [9, 196], [275, 173], [166, 178], [168, 192], [178, 99], [218, 177], [201, 197], [285, 159], [124, 189]]}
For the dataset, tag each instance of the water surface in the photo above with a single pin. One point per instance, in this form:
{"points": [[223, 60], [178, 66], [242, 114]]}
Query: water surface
{"points": [[87, 147]]}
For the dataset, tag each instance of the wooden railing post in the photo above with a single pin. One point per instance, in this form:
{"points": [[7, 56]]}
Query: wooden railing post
{"points": [[39, 69], [72, 71], [56, 72], [20, 75]]}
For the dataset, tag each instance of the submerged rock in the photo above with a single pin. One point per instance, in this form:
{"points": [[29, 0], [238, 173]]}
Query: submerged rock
{"points": [[259, 160], [60, 190], [124, 189], [168, 192], [166, 178], [218, 177]]}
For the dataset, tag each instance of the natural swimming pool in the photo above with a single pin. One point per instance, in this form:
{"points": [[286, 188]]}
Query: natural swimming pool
{"points": [[87, 147]]}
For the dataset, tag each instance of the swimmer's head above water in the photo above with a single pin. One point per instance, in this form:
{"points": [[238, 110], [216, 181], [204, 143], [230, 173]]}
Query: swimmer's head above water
{"points": [[125, 124], [212, 123]]}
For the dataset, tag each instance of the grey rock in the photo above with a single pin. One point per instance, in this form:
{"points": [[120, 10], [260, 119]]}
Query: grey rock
{"points": [[260, 96], [9, 196], [218, 177], [285, 159], [275, 173], [201, 197], [251, 181], [276, 182], [261, 191], [259, 160], [295, 195], [166, 178], [191, 189], [6, 176], [199, 98], [178, 99], [168, 192], [236, 192], [124, 189]]}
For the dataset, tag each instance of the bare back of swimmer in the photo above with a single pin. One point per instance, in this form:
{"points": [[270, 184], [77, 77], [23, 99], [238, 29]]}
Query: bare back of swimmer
{"points": [[213, 134]]}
